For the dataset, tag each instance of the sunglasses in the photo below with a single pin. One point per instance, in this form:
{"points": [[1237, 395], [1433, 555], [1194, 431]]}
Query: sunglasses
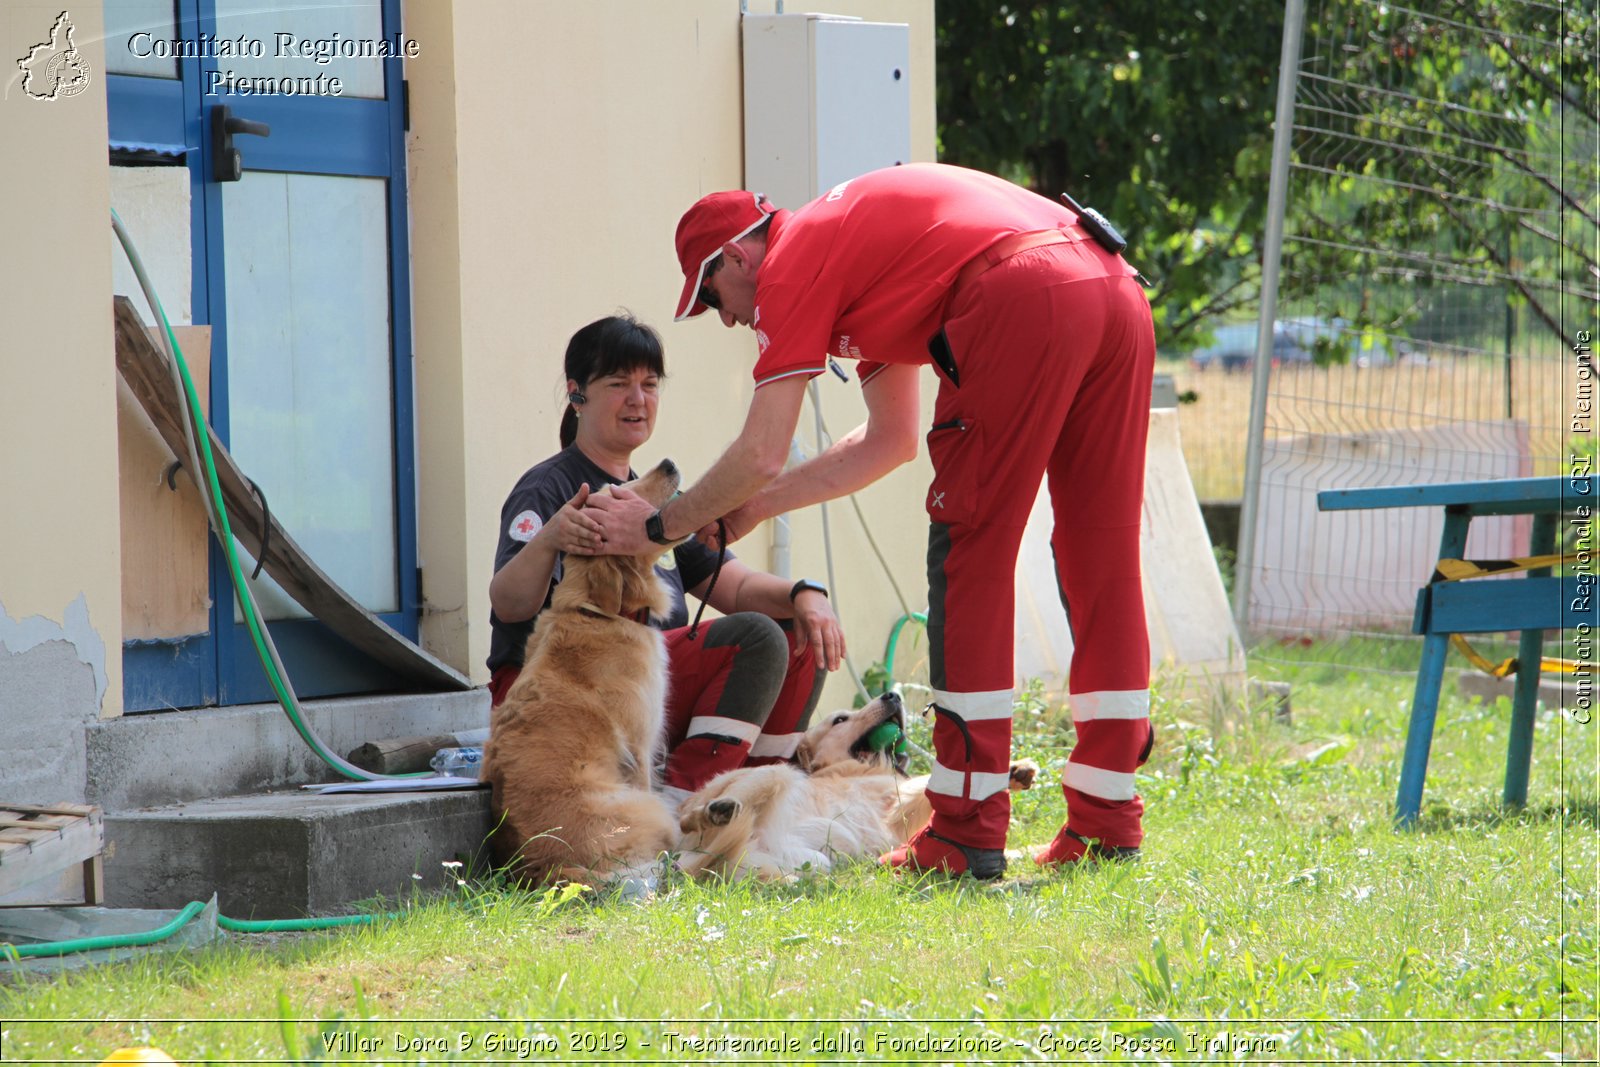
{"points": [[706, 296]]}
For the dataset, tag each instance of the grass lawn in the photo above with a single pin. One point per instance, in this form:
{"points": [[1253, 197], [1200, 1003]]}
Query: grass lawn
{"points": [[1276, 916]]}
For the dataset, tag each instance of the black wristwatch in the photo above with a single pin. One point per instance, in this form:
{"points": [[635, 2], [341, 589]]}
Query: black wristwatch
{"points": [[654, 530], [806, 583]]}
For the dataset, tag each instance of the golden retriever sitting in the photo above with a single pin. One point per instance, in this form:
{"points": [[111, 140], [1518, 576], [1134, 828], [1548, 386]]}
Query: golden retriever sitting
{"points": [[840, 799], [572, 748]]}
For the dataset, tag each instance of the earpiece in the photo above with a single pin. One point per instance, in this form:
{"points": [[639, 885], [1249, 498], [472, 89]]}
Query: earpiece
{"points": [[577, 399]]}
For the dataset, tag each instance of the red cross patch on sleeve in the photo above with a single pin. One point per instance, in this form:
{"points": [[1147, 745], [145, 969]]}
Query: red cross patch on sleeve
{"points": [[524, 526]]}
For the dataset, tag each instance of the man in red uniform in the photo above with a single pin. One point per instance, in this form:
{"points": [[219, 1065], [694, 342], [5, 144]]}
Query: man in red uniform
{"points": [[1044, 346]]}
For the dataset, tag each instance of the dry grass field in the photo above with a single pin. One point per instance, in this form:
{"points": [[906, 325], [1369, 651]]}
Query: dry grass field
{"points": [[1354, 400]]}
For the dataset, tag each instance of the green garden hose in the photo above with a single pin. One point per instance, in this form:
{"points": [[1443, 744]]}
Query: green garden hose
{"points": [[178, 922], [265, 926], [894, 638], [89, 944], [201, 459]]}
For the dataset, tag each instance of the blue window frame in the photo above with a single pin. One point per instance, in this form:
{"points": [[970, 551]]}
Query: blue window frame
{"points": [[359, 137]]}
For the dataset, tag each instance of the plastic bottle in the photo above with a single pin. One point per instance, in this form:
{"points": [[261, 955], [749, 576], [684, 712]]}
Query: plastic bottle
{"points": [[463, 762]]}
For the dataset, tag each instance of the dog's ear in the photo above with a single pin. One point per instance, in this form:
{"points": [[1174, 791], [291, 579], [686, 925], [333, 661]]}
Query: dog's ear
{"points": [[804, 757]]}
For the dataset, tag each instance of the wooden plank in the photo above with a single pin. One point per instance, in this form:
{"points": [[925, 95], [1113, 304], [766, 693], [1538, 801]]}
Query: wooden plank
{"points": [[166, 584], [94, 880], [1490, 606], [22, 834], [143, 366], [61, 888], [1509, 496], [53, 809], [59, 849]]}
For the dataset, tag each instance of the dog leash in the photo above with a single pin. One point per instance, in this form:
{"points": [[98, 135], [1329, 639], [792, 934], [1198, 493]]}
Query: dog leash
{"points": [[722, 554]]}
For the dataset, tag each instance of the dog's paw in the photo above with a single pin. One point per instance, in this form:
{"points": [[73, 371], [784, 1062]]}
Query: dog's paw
{"points": [[720, 812], [1023, 772]]}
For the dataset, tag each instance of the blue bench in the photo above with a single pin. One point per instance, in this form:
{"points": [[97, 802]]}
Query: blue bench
{"points": [[1531, 605]]}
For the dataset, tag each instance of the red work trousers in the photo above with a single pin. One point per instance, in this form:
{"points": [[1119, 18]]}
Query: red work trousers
{"points": [[1054, 350], [738, 694]]}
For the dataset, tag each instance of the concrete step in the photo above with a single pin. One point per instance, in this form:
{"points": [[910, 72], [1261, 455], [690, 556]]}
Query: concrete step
{"points": [[293, 853], [202, 802], [158, 758]]}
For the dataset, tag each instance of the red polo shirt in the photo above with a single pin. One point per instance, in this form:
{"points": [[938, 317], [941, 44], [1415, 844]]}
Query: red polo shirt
{"points": [[864, 271]]}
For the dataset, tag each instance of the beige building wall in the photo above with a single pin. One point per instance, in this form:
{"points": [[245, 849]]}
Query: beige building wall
{"points": [[60, 572], [544, 194]]}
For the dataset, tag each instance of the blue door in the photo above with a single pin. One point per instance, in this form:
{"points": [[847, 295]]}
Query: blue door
{"points": [[300, 268]]}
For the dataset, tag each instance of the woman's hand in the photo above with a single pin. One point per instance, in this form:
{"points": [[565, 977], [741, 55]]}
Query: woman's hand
{"points": [[518, 589], [817, 627], [570, 530]]}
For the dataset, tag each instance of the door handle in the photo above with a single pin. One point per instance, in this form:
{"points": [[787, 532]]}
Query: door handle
{"points": [[226, 165]]}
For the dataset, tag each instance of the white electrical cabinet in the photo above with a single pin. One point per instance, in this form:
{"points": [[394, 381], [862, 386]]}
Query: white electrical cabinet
{"points": [[826, 98]]}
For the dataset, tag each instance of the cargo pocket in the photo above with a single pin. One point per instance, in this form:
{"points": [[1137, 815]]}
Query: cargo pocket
{"points": [[956, 448], [1149, 743], [952, 735]]}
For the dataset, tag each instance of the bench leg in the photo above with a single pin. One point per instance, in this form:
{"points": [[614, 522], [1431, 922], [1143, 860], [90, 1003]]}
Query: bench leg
{"points": [[1530, 649], [1430, 678], [1419, 735]]}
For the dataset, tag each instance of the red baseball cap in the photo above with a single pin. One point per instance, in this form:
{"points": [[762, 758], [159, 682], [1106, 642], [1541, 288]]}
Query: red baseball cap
{"points": [[715, 219]]}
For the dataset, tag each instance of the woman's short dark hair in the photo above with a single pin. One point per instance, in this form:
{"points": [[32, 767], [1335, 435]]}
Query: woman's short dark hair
{"points": [[616, 344]]}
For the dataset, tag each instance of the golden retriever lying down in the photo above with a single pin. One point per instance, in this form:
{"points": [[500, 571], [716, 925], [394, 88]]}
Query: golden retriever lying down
{"points": [[840, 799], [571, 749]]}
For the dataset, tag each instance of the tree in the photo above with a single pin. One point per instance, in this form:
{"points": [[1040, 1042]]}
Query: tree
{"points": [[1157, 114], [1448, 143], [1452, 146]]}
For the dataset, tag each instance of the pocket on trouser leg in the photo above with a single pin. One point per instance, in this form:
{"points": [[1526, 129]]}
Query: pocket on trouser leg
{"points": [[950, 789], [955, 446], [697, 760], [971, 779]]}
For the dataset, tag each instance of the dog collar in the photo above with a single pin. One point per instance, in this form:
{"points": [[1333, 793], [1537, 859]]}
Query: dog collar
{"points": [[642, 616]]}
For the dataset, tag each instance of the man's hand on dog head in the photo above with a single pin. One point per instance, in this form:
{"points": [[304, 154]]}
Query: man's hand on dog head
{"points": [[620, 515], [619, 518]]}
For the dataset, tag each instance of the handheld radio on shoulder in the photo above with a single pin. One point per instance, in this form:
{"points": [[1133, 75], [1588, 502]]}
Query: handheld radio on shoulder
{"points": [[1097, 226]]}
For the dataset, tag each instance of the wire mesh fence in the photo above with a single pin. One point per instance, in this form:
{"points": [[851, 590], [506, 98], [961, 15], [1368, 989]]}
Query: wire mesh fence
{"points": [[1439, 263]]}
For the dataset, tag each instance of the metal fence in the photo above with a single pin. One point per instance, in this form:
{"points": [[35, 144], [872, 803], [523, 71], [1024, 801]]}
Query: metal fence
{"points": [[1438, 205]]}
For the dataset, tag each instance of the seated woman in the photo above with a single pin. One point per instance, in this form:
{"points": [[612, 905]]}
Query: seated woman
{"points": [[741, 690]]}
